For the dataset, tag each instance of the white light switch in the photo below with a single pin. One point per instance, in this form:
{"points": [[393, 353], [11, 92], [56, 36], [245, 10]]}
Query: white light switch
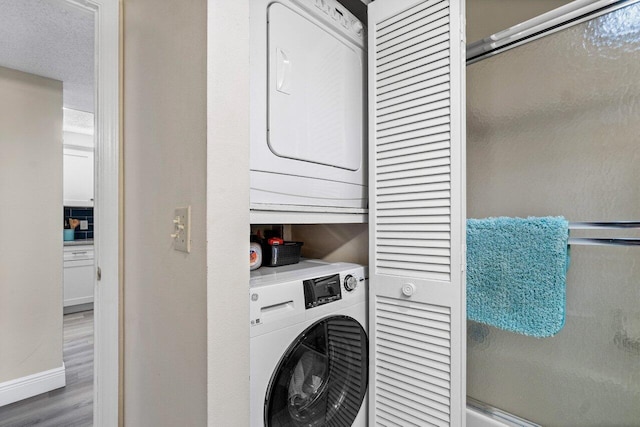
{"points": [[84, 225], [182, 229]]}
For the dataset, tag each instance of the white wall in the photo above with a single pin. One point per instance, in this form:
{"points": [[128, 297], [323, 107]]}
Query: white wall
{"points": [[31, 226], [334, 242], [228, 212], [165, 323]]}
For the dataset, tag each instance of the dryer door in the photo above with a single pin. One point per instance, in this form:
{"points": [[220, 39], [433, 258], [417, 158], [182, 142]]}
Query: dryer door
{"points": [[316, 92], [322, 378]]}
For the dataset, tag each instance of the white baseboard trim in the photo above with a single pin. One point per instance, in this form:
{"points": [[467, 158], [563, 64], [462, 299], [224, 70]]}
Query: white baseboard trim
{"points": [[32, 385]]}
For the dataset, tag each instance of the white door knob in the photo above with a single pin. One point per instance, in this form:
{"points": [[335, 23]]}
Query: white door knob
{"points": [[408, 289]]}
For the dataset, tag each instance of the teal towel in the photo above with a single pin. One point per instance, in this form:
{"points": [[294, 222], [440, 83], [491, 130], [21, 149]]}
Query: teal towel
{"points": [[516, 273]]}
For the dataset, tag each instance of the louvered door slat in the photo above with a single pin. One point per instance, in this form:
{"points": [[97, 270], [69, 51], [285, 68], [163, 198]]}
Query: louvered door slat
{"points": [[400, 372], [441, 409], [415, 130], [423, 64], [438, 65], [415, 196], [418, 194], [404, 37], [407, 150], [431, 142], [441, 196], [436, 202], [422, 56], [415, 111], [413, 89], [420, 259], [414, 122], [435, 326], [416, 212], [417, 17], [411, 179], [418, 112], [421, 185], [421, 417], [439, 75], [414, 159], [438, 207], [414, 165], [418, 357], [413, 47], [413, 246], [413, 251], [409, 114], [415, 387], [401, 341], [383, 421]]}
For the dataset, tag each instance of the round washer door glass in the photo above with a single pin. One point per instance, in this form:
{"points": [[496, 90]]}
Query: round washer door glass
{"points": [[322, 378]]}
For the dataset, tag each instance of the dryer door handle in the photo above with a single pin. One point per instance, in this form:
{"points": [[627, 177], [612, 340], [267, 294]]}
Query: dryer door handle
{"points": [[283, 72]]}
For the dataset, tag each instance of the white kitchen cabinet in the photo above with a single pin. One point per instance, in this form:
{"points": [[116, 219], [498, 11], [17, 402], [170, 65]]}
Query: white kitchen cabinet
{"points": [[78, 274], [78, 177]]}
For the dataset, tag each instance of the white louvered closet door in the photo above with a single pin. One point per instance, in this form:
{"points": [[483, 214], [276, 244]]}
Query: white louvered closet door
{"points": [[417, 213]]}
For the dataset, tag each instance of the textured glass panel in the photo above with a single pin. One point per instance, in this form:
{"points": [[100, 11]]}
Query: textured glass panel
{"points": [[554, 129]]}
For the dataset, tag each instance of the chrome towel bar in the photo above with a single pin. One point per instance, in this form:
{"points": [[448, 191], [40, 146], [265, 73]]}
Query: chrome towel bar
{"points": [[602, 225], [603, 242]]}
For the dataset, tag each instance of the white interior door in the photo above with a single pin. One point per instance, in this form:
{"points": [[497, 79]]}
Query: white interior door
{"points": [[417, 212]]}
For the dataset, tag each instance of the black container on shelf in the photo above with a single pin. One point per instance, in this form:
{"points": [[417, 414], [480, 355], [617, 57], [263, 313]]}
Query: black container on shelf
{"points": [[275, 255]]}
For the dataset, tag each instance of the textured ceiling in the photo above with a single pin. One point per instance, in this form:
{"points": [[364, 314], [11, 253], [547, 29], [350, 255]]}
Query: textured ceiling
{"points": [[52, 39]]}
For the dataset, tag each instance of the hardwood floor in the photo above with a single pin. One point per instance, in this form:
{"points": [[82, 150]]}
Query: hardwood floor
{"points": [[71, 406]]}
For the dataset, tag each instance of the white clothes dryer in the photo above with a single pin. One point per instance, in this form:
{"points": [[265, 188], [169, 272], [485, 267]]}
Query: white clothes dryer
{"points": [[309, 345], [308, 105]]}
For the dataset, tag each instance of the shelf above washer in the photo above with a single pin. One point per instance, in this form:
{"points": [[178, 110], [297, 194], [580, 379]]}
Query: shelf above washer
{"points": [[290, 214]]}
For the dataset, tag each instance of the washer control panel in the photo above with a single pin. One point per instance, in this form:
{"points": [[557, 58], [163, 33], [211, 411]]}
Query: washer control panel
{"points": [[322, 290], [286, 295]]}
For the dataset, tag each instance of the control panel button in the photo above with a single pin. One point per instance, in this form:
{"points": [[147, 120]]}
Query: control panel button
{"points": [[350, 283], [358, 28], [322, 5]]}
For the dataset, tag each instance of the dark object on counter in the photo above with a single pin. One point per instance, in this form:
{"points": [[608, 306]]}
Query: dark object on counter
{"points": [[274, 255]]}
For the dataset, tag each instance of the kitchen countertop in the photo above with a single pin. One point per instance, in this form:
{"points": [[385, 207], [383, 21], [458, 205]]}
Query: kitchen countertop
{"points": [[78, 242]]}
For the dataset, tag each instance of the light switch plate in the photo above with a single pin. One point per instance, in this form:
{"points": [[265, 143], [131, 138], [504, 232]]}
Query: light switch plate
{"points": [[182, 229], [84, 224]]}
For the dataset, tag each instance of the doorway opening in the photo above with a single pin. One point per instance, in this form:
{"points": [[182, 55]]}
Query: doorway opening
{"points": [[61, 53]]}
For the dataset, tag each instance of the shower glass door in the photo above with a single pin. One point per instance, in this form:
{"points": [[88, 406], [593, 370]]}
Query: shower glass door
{"points": [[553, 128]]}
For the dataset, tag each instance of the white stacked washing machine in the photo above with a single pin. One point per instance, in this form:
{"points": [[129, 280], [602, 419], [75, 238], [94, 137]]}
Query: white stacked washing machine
{"points": [[309, 345]]}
